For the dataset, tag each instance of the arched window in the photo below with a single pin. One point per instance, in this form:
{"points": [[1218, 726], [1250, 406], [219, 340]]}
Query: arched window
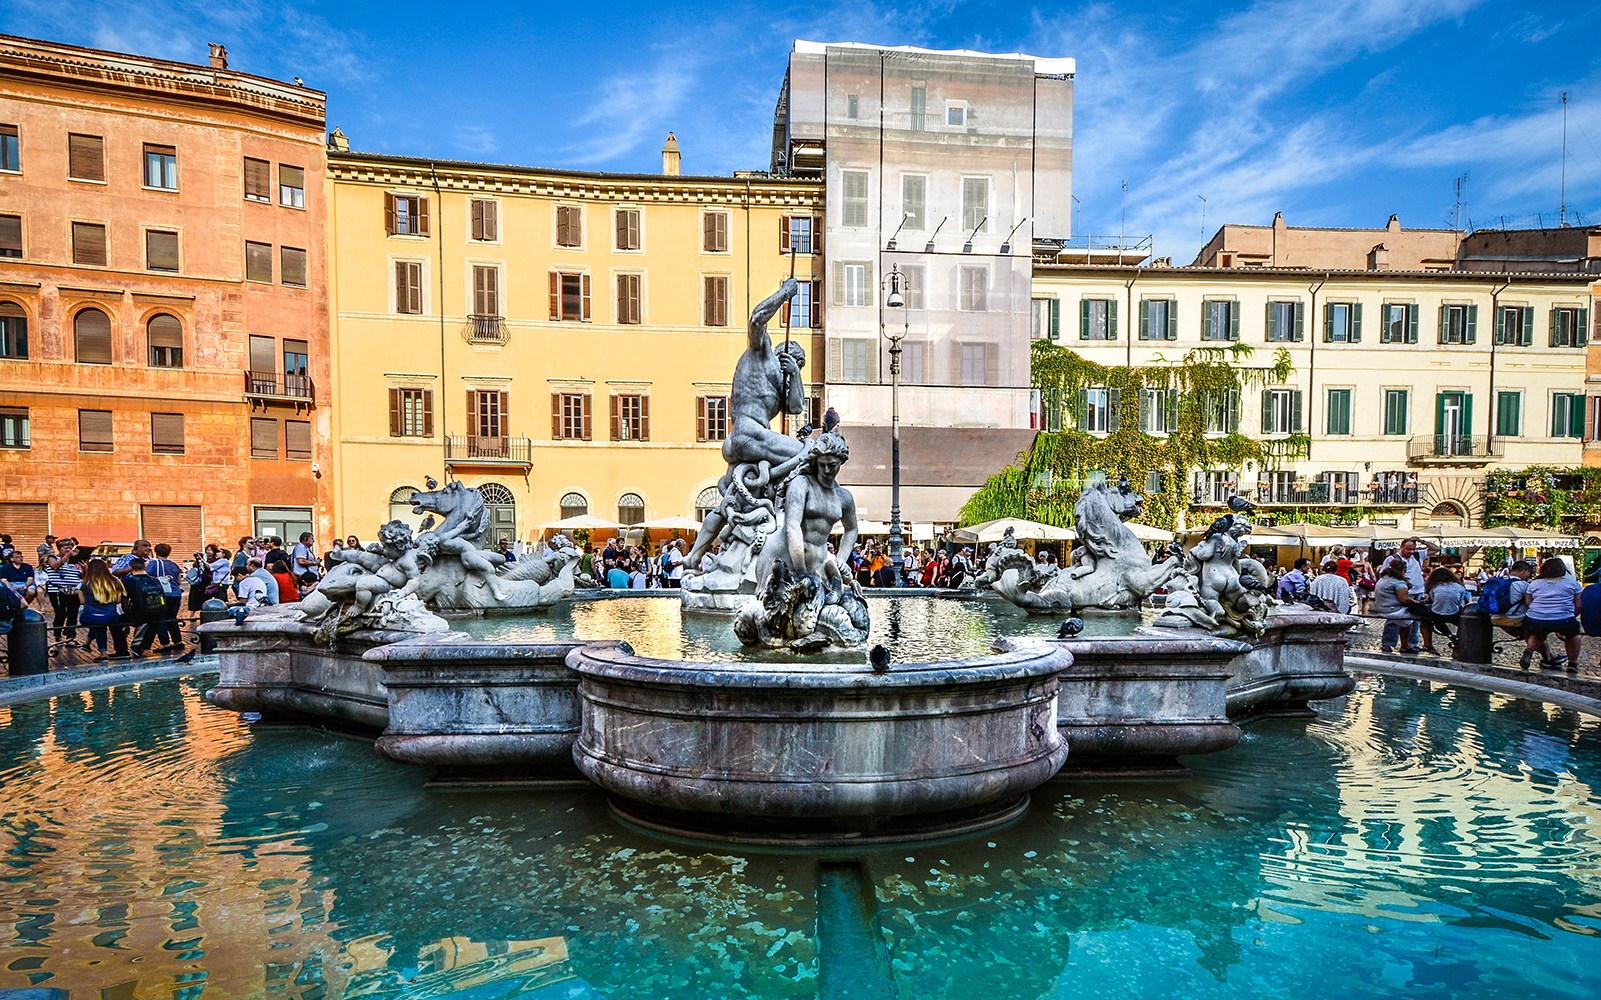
{"points": [[92, 332], [708, 501], [166, 341], [502, 512], [400, 506], [1450, 514], [13, 331], [631, 508], [573, 505]]}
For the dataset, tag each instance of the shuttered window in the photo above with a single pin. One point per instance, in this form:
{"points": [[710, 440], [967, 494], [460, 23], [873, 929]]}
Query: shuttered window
{"points": [[292, 266], [405, 215], [716, 301], [628, 310], [570, 416], [975, 204], [569, 226], [89, 244], [263, 437], [94, 430], [628, 229], [161, 250], [264, 356], [487, 413], [411, 413], [714, 232], [13, 331], [10, 236], [711, 418], [258, 262], [800, 233], [569, 297], [297, 440], [161, 167], [14, 427], [408, 287], [26, 523], [176, 524], [486, 291], [291, 186], [853, 198], [86, 157], [630, 417], [166, 433], [914, 192], [166, 341], [485, 220], [92, 337], [975, 289], [258, 180]]}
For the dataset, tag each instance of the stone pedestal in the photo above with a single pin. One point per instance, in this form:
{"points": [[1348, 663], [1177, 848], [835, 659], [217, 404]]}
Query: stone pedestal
{"points": [[818, 754], [1300, 658]]}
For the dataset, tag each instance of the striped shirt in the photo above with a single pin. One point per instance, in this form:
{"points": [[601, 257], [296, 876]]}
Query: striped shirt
{"points": [[64, 579]]}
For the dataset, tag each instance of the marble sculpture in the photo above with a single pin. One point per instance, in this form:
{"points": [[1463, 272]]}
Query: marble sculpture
{"points": [[1220, 588]]}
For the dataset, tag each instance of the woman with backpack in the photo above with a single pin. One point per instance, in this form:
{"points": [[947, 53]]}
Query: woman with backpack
{"points": [[103, 598], [1553, 607]]}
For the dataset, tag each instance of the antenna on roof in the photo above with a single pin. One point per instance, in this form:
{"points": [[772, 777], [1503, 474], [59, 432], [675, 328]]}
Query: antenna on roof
{"points": [[1456, 213], [1562, 211]]}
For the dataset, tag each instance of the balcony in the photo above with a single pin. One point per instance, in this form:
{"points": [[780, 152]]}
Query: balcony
{"points": [[1312, 494], [485, 330], [471, 449], [280, 387], [1453, 449]]}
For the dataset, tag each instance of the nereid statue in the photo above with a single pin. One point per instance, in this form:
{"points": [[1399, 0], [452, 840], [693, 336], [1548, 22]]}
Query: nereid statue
{"points": [[399, 581], [1221, 589]]}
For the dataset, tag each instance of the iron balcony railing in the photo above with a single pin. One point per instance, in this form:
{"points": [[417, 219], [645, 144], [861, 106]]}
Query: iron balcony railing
{"points": [[1453, 448], [279, 385], [485, 329], [476, 448], [1309, 494]]}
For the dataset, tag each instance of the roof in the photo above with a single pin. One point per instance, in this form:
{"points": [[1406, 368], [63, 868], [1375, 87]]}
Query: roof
{"points": [[513, 168], [932, 456], [1246, 273], [1042, 65]]}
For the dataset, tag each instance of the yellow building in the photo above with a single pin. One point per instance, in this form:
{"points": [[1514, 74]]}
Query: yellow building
{"points": [[562, 340]]}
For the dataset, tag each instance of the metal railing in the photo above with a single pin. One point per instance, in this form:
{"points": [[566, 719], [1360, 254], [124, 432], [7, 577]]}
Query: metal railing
{"points": [[472, 447], [1309, 494], [279, 385], [485, 330], [1453, 447]]}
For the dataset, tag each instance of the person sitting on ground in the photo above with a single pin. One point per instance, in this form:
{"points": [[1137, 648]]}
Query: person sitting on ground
{"points": [[1553, 607], [1332, 587], [148, 605], [616, 576], [307, 583], [103, 598]]}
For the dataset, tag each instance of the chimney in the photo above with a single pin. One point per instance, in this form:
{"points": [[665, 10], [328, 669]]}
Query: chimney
{"points": [[219, 56], [338, 141], [1379, 258], [670, 159], [1394, 225]]}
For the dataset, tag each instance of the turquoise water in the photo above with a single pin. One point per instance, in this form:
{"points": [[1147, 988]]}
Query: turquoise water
{"points": [[1413, 841], [914, 629]]}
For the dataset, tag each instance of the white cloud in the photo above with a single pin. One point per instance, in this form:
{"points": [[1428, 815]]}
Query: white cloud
{"points": [[631, 108]]}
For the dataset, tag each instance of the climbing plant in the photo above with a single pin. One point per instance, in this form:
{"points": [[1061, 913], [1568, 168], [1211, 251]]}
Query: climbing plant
{"points": [[1047, 480], [1543, 497]]}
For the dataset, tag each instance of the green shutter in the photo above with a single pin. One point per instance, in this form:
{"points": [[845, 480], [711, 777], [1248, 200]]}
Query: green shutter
{"points": [[1356, 323], [1147, 404], [1145, 320], [1412, 324], [1300, 322], [1056, 319], [1114, 410], [1083, 409], [1328, 322], [1439, 413], [1442, 324], [1234, 320], [1576, 416], [1267, 411], [1500, 324], [1233, 424], [1084, 319], [1467, 414], [1339, 419], [1471, 332], [1528, 325], [1552, 314], [1172, 319], [1295, 409], [1111, 319], [1581, 331], [1270, 323], [1384, 323], [1208, 330]]}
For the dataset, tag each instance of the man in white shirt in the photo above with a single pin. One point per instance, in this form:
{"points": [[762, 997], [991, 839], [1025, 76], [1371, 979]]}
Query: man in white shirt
{"points": [[675, 562], [252, 592], [1332, 587]]}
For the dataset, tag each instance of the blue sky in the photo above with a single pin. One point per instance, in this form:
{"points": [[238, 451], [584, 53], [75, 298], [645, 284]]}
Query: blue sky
{"points": [[1336, 112]]}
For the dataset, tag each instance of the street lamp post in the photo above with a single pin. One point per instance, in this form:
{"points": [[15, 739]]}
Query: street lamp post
{"points": [[895, 300]]}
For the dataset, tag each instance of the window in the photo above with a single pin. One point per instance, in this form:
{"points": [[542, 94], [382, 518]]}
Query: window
{"points": [[1221, 411], [1509, 414], [1395, 411], [13, 331], [291, 186], [297, 365], [574, 505], [1097, 410], [569, 226], [10, 236], [1514, 325], [1567, 415], [1214, 487], [1159, 411], [14, 427], [161, 167], [851, 281], [569, 297], [166, 341], [486, 290], [853, 197], [400, 504], [800, 233], [1159, 319], [975, 288], [857, 357], [161, 251], [405, 215], [627, 220], [1339, 412], [297, 440], [1281, 411], [808, 306], [411, 413], [92, 333], [914, 197], [716, 300], [1045, 318], [408, 287], [258, 262], [1399, 323], [258, 180], [1220, 319], [263, 437], [485, 220], [853, 106], [628, 298], [1097, 319], [1343, 487], [630, 417], [89, 244], [263, 361], [166, 433], [956, 113], [912, 286], [487, 413], [86, 157], [1569, 326], [1284, 322], [1342, 322], [94, 430], [975, 204], [711, 418], [914, 362], [10, 148], [1459, 324], [919, 108], [714, 232], [631, 508], [979, 364], [292, 266], [569, 412]]}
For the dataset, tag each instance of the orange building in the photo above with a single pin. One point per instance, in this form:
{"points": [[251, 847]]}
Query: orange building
{"points": [[163, 300]]}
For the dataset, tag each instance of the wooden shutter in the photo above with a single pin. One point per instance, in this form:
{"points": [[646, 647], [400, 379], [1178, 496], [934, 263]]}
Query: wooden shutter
{"points": [[817, 305], [585, 280], [474, 415], [817, 234], [1234, 320], [478, 219], [1581, 328], [427, 396], [555, 416], [1412, 324], [396, 426], [1271, 323], [700, 418], [389, 200], [258, 187], [166, 433], [292, 266], [177, 525], [1111, 319], [422, 216], [783, 234], [1295, 411], [1443, 311], [408, 287], [10, 236], [89, 244], [708, 224], [644, 417], [561, 225], [555, 295], [161, 251], [486, 291], [26, 523], [491, 220], [1328, 322], [258, 262], [95, 431], [616, 419], [505, 414], [1470, 329], [587, 399], [1267, 411], [1300, 321], [86, 157], [992, 364], [1145, 320], [92, 333]]}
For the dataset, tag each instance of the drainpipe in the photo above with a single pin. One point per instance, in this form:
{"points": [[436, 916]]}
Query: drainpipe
{"points": [[1130, 319], [1311, 368], [1491, 410], [439, 307]]}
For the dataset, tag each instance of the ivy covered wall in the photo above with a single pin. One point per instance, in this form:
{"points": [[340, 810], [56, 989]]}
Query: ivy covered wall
{"points": [[1543, 497]]}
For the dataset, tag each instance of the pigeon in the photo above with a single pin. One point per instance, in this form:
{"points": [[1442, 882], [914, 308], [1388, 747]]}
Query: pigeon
{"points": [[1123, 485], [804, 432], [878, 656], [431, 482], [1070, 628], [239, 613], [185, 658], [427, 523], [1240, 505], [830, 420], [1250, 582], [1220, 526]]}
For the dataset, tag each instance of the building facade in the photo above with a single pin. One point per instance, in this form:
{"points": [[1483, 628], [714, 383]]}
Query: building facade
{"points": [[163, 300], [1408, 386], [561, 340]]}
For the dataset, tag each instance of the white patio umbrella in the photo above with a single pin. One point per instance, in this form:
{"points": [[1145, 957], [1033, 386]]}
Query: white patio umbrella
{"points": [[994, 531], [1146, 533], [589, 521], [677, 522]]}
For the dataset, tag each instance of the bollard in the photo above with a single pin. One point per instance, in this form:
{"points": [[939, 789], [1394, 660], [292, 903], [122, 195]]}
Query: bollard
{"points": [[1475, 638], [211, 611], [28, 645]]}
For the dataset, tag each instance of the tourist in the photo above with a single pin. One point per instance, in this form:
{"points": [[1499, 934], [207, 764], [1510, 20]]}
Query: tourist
{"points": [[330, 558], [616, 576], [1393, 601], [353, 543], [304, 559], [219, 564], [20, 577], [1294, 583], [288, 590], [45, 551], [62, 581], [241, 558], [1332, 587], [307, 583], [275, 553], [269, 582], [169, 577], [198, 576], [147, 605], [6, 548], [103, 596], [675, 557], [250, 591], [505, 550], [1444, 610], [141, 551], [1553, 607], [1412, 563], [636, 578]]}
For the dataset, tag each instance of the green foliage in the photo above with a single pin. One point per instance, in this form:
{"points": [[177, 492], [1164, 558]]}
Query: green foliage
{"points": [[1543, 497], [581, 538]]}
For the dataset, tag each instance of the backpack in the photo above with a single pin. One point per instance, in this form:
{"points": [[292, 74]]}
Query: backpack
{"points": [[146, 597], [1590, 609], [1497, 595], [10, 604]]}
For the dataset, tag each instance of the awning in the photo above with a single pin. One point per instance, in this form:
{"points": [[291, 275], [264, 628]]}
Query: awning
{"points": [[994, 531], [677, 522], [582, 521]]}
